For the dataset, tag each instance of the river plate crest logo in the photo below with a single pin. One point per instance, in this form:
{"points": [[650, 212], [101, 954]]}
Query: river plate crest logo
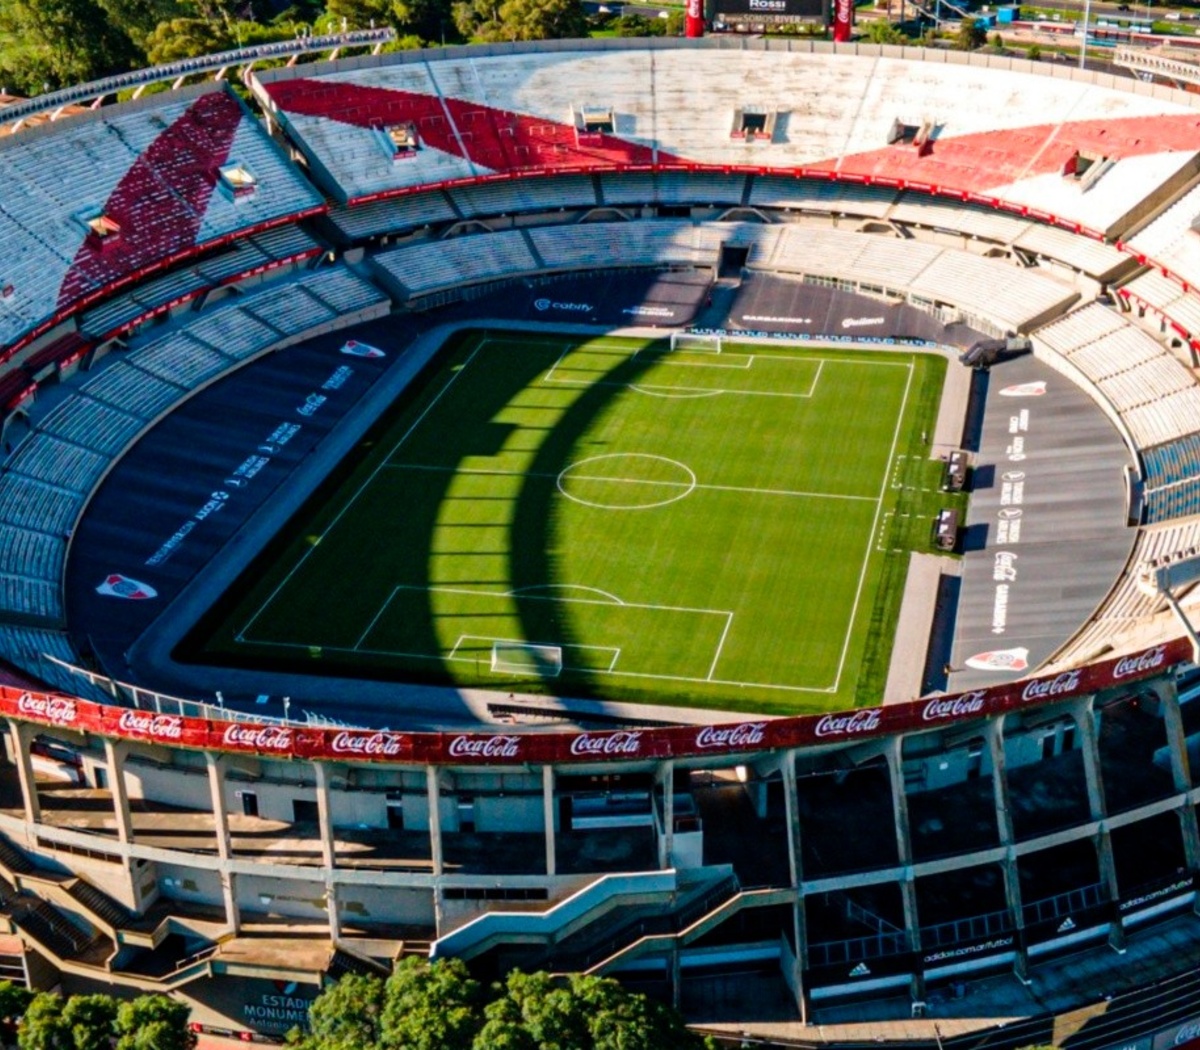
{"points": [[1034, 389], [1016, 659], [117, 586], [356, 349]]}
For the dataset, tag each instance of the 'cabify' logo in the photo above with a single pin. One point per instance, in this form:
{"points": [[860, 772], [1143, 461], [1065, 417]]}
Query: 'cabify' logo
{"points": [[385, 744], [745, 735], [550, 304], [954, 706], [625, 742], [161, 727], [57, 709], [864, 721], [260, 738], [498, 746], [1040, 688], [1146, 661]]}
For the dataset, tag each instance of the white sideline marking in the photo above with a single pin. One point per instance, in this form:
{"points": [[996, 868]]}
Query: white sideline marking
{"points": [[375, 619], [720, 645], [862, 576]]}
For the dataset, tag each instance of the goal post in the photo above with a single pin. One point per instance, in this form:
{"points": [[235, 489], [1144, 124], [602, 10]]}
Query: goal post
{"points": [[527, 658], [696, 343]]}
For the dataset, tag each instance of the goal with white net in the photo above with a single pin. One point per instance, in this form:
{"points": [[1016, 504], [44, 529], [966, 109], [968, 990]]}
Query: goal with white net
{"points": [[527, 658], [696, 343]]}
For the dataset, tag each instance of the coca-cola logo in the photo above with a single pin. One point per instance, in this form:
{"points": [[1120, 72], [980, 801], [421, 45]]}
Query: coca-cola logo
{"points": [[748, 734], [844, 7], [1146, 661], [161, 727], [695, 9], [954, 706], [865, 721], [498, 746], [1187, 1033], [1060, 684], [625, 742], [60, 710], [260, 738], [385, 745]]}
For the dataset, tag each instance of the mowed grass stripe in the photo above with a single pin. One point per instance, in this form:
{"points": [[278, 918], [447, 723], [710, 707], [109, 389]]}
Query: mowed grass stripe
{"points": [[496, 502]]}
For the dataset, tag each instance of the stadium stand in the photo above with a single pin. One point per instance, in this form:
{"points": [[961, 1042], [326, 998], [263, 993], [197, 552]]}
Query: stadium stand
{"points": [[148, 174], [948, 891], [47, 480]]}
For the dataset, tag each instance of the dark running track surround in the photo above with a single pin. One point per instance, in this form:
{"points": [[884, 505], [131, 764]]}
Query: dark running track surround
{"points": [[619, 300], [770, 304], [1046, 533], [177, 497]]}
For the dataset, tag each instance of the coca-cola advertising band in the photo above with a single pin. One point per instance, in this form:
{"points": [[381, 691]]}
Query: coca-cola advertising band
{"points": [[482, 748]]}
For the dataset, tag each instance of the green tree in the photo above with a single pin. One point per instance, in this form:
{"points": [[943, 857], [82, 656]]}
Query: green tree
{"points": [[61, 42], [430, 1006], [582, 1012], [185, 38], [970, 36], [997, 43], [1034, 53], [14, 1001], [494, 20], [635, 25], [883, 32], [346, 1016], [90, 1019], [153, 1022], [43, 1027]]}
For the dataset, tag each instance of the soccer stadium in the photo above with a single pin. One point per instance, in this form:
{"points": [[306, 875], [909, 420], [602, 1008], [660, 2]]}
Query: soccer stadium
{"points": [[720, 513]]}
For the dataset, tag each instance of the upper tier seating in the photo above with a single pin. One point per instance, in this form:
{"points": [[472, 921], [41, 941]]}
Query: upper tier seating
{"points": [[151, 169], [515, 109], [1156, 397]]}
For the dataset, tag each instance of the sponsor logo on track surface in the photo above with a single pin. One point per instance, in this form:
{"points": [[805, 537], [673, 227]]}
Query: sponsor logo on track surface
{"points": [[1034, 389], [117, 586], [356, 349], [1016, 659], [550, 304]]}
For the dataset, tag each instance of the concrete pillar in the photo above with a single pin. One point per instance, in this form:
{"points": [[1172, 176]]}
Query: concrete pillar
{"points": [[216, 788], [1181, 771], [908, 887], [994, 735], [233, 917], [548, 819], [21, 734], [792, 815], [800, 935], [331, 910], [325, 816], [676, 977], [666, 844], [1168, 700], [1085, 719], [114, 759], [432, 790]]}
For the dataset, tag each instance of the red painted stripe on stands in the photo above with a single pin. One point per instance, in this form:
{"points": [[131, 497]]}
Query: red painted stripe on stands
{"points": [[496, 139]]}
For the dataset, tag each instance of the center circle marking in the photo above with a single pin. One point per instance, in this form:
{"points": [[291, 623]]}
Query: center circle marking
{"points": [[637, 479]]}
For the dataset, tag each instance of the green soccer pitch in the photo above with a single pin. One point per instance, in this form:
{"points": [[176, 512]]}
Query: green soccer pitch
{"points": [[612, 519]]}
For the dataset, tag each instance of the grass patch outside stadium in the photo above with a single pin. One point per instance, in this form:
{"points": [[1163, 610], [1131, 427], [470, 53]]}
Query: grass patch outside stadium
{"points": [[608, 518]]}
